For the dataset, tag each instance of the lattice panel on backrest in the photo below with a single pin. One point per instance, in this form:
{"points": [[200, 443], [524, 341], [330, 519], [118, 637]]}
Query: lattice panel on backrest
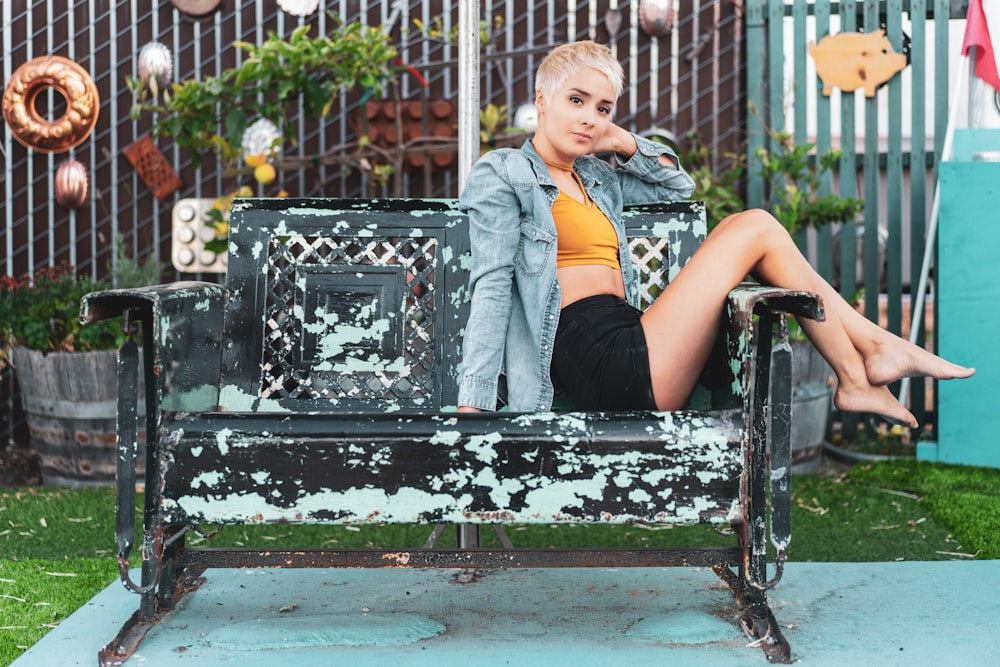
{"points": [[350, 318], [649, 256]]}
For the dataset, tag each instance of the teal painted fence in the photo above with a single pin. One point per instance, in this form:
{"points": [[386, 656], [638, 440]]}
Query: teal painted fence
{"points": [[890, 142]]}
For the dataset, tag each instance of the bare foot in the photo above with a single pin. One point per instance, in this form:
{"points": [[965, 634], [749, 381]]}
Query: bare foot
{"points": [[877, 399], [900, 359]]}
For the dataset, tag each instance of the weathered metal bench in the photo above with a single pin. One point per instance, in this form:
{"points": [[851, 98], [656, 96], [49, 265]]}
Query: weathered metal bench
{"points": [[319, 385]]}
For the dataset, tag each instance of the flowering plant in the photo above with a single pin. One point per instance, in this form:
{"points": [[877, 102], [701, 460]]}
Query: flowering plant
{"points": [[42, 312]]}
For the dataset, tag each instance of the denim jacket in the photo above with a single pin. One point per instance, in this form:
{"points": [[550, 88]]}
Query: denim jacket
{"points": [[515, 295]]}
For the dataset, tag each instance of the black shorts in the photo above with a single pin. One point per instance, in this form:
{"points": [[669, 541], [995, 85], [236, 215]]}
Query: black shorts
{"points": [[600, 360]]}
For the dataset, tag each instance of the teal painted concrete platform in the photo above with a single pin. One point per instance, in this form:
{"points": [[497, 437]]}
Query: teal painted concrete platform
{"points": [[919, 613]]}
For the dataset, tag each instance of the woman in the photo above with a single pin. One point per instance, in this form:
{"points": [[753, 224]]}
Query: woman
{"points": [[553, 288]]}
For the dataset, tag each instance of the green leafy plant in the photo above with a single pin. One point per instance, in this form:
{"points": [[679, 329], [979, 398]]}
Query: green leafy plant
{"points": [[275, 81], [42, 311], [494, 127], [719, 190], [436, 30], [794, 174]]}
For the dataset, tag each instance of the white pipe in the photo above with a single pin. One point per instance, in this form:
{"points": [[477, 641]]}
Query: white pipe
{"points": [[946, 149]]}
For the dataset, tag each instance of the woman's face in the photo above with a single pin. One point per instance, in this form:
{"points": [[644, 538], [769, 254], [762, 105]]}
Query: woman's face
{"points": [[577, 115]]}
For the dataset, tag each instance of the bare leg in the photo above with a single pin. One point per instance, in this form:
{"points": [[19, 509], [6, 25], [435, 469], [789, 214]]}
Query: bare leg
{"points": [[680, 324]]}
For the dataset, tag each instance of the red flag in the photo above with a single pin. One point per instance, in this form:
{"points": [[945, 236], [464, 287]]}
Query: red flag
{"points": [[977, 34]]}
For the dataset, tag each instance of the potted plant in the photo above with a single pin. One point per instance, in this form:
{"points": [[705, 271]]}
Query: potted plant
{"points": [[66, 372], [794, 175]]}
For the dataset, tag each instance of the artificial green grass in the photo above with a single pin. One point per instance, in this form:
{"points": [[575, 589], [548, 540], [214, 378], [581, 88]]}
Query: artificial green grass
{"points": [[965, 499], [836, 518], [57, 524], [36, 595], [57, 546]]}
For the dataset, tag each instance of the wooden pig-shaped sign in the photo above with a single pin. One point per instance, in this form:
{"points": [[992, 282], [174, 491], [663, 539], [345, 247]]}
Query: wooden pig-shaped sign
{"points": [[852, 60]]}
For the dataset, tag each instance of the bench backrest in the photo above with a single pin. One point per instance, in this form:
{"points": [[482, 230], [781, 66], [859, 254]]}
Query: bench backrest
{"points": [[360, 305]]}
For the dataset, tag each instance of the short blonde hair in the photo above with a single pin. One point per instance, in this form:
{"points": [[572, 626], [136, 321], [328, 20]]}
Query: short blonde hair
{"points": [[566, 60]]}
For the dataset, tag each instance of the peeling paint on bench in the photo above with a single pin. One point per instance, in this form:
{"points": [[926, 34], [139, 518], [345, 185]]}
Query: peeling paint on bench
{"points": [[318, 386], [408, 469]]}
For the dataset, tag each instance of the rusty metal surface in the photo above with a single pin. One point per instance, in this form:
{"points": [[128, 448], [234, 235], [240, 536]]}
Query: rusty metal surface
{"points": [[462, 558]]}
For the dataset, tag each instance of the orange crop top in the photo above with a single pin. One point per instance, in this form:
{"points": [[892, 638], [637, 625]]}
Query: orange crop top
{"points": [[585, 234]]}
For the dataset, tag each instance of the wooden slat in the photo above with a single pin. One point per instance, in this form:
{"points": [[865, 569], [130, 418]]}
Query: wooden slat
{"points": [[755, 94], [894, 190], [824, 236], [848, 168], [800, 108], [870, 180], [775, 116], [918, 187]]}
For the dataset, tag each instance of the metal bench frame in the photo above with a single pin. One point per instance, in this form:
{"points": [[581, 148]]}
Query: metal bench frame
{"points": [[318, 386]]}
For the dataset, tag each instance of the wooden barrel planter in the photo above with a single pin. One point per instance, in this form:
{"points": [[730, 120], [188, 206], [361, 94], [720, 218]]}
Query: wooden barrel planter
{"points": [[812, 406], [69, 401]]}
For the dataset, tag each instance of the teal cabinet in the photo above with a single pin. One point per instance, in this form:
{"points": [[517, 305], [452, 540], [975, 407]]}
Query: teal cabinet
{"points": [[967, 325]]}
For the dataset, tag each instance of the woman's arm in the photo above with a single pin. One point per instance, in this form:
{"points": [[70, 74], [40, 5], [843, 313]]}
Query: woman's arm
{"points": [[494, 233], [649, 172]]}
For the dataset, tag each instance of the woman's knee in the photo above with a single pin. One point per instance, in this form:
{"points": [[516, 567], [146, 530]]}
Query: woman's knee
{"points": [[755, 222]]}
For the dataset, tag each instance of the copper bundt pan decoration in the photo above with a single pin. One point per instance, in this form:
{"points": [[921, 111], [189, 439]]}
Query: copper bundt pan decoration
{"points": [[71, 184], [67, 79]]}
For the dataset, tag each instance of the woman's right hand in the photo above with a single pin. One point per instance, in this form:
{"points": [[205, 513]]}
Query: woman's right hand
{"points": [[467, 408]]}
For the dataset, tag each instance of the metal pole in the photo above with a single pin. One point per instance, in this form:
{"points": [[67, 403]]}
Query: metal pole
{"points": [[468, 144], [468, 82]]}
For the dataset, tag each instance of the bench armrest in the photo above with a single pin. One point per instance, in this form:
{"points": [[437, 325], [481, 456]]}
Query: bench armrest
{"points": [[181, 338], [745, 337], [181, 325], [761, 359]]}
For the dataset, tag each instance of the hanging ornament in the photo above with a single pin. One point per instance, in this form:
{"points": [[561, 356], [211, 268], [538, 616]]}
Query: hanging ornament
{"points": [[155, 67], [197, 7], [299, 7], [656, 17], [259, 138], [71, 184], [526, 117], [64, 77]]}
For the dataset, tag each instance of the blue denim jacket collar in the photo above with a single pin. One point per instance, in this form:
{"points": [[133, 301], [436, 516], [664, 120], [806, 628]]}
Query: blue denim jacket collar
{"points": [[587, 176]]}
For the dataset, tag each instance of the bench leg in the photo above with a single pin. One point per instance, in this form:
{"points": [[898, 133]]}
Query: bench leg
{"points": [[498, 530], [756, 617], [467, 536], [170, 569], [135, 629]]}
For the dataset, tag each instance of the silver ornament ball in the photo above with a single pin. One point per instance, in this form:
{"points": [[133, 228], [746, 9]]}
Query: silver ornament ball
{"points": [[155, 64]]}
